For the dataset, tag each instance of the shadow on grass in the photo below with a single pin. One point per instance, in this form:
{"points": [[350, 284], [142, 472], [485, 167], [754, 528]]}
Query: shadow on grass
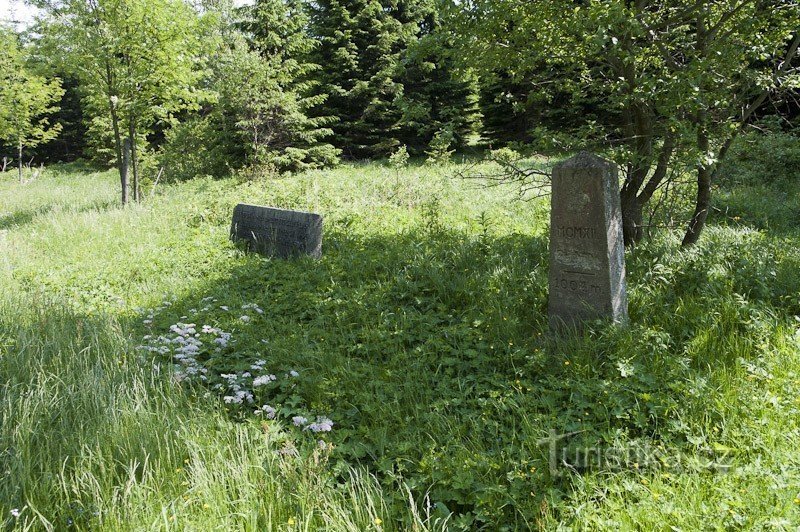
{"points": [[430, 351], [22, 218]]}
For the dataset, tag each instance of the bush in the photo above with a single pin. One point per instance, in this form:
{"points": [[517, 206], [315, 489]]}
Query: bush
{"points": [[198, 146], [758, 158], [439, 151], [399, 159]]}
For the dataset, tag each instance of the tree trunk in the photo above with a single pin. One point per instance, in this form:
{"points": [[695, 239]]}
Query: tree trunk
{"points": [[704, 171], [707, 175], [702, 204], [632, 216], [703, 199], [121, 165], [112, 108], [134, 160], [123, 172], [632, 201], [19, 163]]}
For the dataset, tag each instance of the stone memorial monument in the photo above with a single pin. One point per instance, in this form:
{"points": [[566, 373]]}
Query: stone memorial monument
{"points": [[277, 232], [587, 259]]}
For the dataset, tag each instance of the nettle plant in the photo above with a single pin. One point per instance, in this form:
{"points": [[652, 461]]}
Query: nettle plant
{"points": [[204, 354]]}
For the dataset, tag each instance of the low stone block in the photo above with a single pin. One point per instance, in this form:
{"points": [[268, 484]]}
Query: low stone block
{"points": [[277, 232]]}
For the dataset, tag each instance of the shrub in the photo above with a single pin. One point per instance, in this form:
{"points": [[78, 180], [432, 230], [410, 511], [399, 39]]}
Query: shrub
{"points": [[399, 159], [198, 146], [439, 149], [763, 158]]}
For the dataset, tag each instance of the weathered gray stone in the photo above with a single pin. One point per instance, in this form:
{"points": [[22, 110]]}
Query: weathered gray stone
{"points": [[277, 232], [587, 257]]}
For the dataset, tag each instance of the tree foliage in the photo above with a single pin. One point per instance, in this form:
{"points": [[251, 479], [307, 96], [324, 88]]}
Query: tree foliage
{"points": [[663, 79], [263, 97], [389, 76], [275, 106], [359, 45], [138, 62], [26, 99], [436, 98]]}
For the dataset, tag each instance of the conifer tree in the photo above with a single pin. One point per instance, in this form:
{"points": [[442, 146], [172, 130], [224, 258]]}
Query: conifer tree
{"points": [[360, 42], [278, 34], [436, 97], [508, 113], [261, 77]]}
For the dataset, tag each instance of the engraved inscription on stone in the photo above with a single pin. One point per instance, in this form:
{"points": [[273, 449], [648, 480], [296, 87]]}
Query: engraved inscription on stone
{"points": [[587, 260], [277, 232]]}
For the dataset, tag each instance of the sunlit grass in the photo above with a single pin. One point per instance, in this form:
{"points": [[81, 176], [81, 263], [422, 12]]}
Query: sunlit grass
{"points": [[421, 333]]}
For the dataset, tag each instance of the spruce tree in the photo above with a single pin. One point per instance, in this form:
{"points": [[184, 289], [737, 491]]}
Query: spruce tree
{"points": [[273, 94], [360, 42], [437, 98], [509, 115]]}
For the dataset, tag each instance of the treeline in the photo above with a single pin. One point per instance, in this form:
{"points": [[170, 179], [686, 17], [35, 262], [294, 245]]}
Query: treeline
{"points": [[662, 87], [286, 83]]}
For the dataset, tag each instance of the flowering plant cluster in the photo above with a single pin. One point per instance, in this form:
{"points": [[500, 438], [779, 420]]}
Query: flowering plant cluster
{"points": [[196, 351]]}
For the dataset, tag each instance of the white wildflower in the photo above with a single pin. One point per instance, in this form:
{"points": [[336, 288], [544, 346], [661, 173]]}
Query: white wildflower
{"points": [[263, 379], [322, 424]]}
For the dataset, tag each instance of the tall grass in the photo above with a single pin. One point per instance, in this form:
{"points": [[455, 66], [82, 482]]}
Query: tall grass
{"points": [[94, 437], [422, 333]]}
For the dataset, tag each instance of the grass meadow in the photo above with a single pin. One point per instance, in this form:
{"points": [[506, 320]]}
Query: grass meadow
{"points": [[406, 381]]}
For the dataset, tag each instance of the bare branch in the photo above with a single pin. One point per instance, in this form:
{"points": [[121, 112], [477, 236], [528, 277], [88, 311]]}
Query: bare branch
{"points": [[511, 172]]}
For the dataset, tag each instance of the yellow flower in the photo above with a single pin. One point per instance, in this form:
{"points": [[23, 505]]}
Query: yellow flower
{"points": [[566, 362], [206, 506], [291, 521], [378, 521]]}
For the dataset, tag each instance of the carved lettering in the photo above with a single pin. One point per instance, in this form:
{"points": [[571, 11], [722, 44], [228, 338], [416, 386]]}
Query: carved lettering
{"points": [[577, 232], [587, 263], [277, 232]]}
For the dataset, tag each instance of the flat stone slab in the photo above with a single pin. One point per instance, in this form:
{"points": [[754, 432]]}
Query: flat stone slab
{"points": [[587, 254], [277, 232]]}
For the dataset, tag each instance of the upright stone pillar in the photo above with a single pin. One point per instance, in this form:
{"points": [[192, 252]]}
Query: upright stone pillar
{"points": [[587, 256]]}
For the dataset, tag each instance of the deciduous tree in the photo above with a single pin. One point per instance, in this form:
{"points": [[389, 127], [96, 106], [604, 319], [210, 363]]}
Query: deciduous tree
{"points": [[138, 62], [669, 81], [26, 99]]}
